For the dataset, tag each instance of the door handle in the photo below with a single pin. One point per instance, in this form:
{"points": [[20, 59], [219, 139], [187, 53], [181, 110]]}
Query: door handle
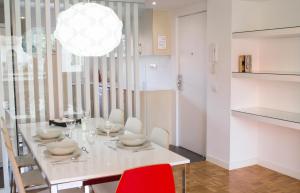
{"points": [[179, 82]]}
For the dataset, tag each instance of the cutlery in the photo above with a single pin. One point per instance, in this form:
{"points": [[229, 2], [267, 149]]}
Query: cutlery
{"points": [[143, 149], [84, 150], [74, 158], [111, 147]]}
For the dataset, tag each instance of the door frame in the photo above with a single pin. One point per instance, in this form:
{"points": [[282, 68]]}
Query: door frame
{"points": [[177, 69]]}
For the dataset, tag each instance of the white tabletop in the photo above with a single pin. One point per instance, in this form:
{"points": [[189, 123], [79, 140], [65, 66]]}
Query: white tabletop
{"points": [[101, 161]]}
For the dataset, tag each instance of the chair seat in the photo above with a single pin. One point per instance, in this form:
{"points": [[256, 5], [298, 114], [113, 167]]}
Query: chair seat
{"points": [[25, 160], [33, 178], [73, 190]]}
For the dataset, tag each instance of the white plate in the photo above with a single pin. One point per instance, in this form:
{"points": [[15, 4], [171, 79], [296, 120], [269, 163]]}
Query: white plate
{"points": [[44, 141], [76, 153], [120, 145], [115, 128], [64, 147], [132, 140], [63, 120], [49, 133]]}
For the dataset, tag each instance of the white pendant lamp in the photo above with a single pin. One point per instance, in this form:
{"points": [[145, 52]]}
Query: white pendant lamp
{"points": [[88, 29]]}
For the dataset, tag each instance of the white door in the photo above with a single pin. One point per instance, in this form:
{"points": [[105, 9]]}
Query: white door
{"points": [[192, 81]]}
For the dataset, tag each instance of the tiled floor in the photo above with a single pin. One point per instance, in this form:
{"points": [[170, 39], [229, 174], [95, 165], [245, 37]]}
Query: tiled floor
{"points": [[209, 178]]}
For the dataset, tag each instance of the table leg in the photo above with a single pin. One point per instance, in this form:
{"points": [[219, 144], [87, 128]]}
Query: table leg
{"points": [[185, 179], [54, 189], [86, 189]]}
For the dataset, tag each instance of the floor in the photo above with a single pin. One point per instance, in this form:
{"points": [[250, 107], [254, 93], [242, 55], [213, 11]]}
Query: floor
{"points": [[194, 157], [206, 177], [209, 178]]}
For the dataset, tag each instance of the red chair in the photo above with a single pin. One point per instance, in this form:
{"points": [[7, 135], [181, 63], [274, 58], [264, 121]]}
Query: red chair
{"points": [[149, 179]]}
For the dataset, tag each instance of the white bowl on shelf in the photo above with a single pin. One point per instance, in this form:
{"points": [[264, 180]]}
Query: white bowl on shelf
{"points": [[64, 147], [49, 133], [132, 140]]}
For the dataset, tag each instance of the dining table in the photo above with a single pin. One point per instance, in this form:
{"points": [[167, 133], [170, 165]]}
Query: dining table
{"points": [[100, 161]]}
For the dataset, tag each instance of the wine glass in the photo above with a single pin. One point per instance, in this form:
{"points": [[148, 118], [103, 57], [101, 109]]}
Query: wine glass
{"points": [[108, 127], [85, 118], [70, 126], [91, 136]]}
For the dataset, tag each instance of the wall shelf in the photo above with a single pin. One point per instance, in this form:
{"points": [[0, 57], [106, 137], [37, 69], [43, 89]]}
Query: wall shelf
{"points": [[269, 33], [271, 116], [273, 76]]}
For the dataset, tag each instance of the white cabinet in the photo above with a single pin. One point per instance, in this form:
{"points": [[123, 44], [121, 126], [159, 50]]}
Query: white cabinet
{"points": [[154, 32]]}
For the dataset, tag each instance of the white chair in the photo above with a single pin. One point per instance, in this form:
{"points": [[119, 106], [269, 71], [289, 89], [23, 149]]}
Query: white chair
{"points": [[134, 125], [116, 116], [28, 179], [160, 137], [22, 160]]}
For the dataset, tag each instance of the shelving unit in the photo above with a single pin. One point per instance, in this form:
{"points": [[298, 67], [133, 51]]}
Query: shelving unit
{"points": [[272, 116], [269, 33], [265, 113], [271, 76]]}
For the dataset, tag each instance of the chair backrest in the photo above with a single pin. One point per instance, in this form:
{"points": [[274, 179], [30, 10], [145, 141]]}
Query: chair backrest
{"points": [[11, 157], [160, 137], [116, 116], [149, 179], [134, 125]]}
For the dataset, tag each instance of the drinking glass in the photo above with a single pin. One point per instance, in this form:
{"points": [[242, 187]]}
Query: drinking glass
{"points": [[91, 136], [70, 126], [108, 127], [85, 118]]}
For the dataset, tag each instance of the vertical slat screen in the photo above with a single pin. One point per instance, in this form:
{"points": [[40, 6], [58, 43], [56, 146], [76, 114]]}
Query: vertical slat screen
{"points": [[58, 66], [128, 59], [120, 61], [9, 62], [136, 61], [112, 64], [18, 64], [40, 63], [87, 85], [78, 86], [49, 60], [45, 97], [30, 78], [96, 87], [105, 86], [69, 76]]}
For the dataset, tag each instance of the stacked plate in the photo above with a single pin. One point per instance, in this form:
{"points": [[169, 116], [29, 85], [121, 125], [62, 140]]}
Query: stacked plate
{"points": [[49, 135], [63, 149], [116, 129], [133, 142]]}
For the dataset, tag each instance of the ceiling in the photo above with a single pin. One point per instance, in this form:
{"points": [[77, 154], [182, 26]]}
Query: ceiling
{"points": [[169, 4]]}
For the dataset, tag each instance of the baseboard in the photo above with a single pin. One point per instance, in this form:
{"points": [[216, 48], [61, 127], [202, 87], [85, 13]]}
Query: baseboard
{"points": [[242, 164], [217, 161], [279, 169]]}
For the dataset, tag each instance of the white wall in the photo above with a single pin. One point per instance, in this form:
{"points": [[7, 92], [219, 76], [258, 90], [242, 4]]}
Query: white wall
{"points": [[250, 15], [156, 73], [218, 88]]}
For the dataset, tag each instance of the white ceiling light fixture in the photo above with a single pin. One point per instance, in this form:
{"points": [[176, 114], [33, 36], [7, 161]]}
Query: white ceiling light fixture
{"points": [[88, 29], [153, 2]]}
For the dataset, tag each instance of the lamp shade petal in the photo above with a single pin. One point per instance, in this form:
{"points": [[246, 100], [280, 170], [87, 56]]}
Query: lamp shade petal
{"points": [[88, 29]]}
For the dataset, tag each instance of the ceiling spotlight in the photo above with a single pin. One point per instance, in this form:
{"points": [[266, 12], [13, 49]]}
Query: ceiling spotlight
{"points": [[154, 3], [22, 17]]}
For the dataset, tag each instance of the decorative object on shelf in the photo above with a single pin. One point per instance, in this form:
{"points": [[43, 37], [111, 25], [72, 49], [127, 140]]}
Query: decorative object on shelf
{"points": [[248, 63], [245, 63], [242, 63], [88, 29]]}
